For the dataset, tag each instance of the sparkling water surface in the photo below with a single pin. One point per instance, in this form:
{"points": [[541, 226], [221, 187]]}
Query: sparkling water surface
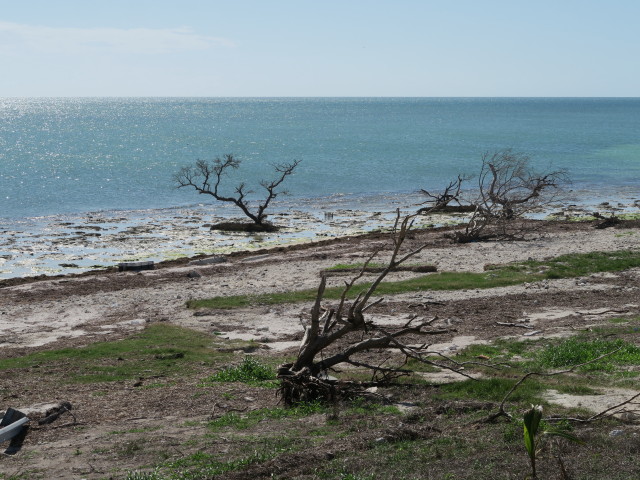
{"points": [[76, 157], [79, 155]]}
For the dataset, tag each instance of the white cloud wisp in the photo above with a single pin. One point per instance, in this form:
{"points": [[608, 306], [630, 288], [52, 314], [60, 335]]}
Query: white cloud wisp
{"points": [[16, 38]]}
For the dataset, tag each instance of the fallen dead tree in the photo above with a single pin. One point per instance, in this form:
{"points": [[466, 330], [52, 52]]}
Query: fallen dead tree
{"points": [[345, 334], [508, 190]]}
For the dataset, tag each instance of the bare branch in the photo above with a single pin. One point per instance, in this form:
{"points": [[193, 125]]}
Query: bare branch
{"points": [[206, 178], [320, 350], [508, 189]]}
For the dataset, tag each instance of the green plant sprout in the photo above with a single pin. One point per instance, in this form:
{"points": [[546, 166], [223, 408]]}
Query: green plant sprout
{"points": [[532, 432]]}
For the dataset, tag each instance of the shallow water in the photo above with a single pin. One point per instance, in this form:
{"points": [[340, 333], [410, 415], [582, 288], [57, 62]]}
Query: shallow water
{"points": [[61, 244], [88, 182]]}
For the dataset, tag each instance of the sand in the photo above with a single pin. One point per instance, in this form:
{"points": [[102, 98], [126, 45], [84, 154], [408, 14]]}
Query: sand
{"points": [[72, 311], [39, 313]]}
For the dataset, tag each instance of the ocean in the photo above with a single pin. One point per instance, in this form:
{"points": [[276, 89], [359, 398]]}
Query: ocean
{"points": [[105, 165]]}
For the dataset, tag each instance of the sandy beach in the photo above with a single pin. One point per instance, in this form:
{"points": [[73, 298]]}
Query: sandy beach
{"points": [[73, 311], [59, 310], [76, 309]]}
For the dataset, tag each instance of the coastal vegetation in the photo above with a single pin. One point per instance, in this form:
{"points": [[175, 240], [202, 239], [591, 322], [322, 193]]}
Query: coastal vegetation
{"points": [[159, 351], [415, 425], [206, 178], [345, 334], [563, 266]]}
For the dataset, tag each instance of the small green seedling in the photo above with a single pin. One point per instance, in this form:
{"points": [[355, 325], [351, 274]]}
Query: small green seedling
{"points": [[532, 432]]}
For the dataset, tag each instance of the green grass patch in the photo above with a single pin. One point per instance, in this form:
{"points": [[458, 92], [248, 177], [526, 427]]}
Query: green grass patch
{"points": [[243, 421], [250, 371], [576, 389], [160, 350], [630, 327], [492, 389], [203, 465], [577, 265], [623, 320], [437, 281], [565, 266], [361, 406], [575, 351]]}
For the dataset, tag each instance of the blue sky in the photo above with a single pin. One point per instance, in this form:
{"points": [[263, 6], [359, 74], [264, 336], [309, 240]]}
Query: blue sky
{"points": [[427, 48]]}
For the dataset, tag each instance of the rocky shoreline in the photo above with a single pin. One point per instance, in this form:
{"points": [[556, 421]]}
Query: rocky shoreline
{"points": [[62, 245]]}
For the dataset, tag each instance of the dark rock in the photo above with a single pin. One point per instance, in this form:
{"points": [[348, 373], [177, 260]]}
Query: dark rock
{"points": [[136, 266]]}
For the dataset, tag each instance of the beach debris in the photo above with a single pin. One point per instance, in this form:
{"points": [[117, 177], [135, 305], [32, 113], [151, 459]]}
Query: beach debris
{"points": [[511, 324], [54, 413], [136, 266], [12, 424], [207, 261], [426, 304], [606, 222], [530, 334], [602, 311], [255, 258]]}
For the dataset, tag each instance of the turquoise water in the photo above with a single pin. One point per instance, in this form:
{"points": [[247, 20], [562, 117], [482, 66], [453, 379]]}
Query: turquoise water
{"points": [[83, 155]]}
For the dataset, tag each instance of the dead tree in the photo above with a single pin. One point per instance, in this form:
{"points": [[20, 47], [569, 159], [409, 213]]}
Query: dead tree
{"points": [[337, 335], [508, 189], [206, 178], [441, 201]]}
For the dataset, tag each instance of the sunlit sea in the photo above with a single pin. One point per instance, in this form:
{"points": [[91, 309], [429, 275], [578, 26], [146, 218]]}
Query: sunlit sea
{"points": [[75, 158]]}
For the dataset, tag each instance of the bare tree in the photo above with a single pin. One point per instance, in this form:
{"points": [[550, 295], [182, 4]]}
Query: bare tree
{"points": [[508, 189], [206, 178], [341, 333], [441, 201]]}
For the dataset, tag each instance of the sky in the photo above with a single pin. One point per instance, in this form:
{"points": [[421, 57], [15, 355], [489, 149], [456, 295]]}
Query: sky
{"points": [[311, 48]]}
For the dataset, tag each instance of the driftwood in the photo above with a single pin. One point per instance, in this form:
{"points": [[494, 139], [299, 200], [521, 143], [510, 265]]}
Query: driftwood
{"points": [[511, 324], [339, 334], [55, 412], [448, 209], [507, 190]]}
